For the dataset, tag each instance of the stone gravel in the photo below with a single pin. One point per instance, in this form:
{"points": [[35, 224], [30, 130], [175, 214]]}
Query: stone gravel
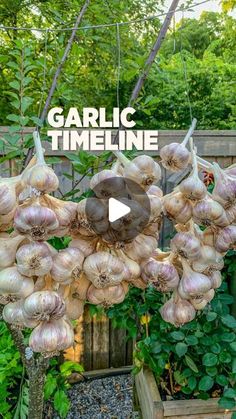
{"points": [[102, 398]]}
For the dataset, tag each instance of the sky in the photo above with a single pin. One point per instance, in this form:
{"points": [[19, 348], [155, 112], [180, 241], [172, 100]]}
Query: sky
{"points": [[212, 5]]}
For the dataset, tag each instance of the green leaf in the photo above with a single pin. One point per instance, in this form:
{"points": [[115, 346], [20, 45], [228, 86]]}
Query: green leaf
{"points": [[25, 103], [191, 364], [222, 380], [228, 337], [50, 386], [192, 382], [191, 340], [69, 366], [179, 378], [181, 348], [13, 117], [10, 155], [15, 84], [216, 348], [177, 335], [226, 403], [229, 321], [233, 346], [209, 359], [225, 357], [206, 383], [230, 393], [61, 403], [211, 316], [212, 371], [37, 121]]}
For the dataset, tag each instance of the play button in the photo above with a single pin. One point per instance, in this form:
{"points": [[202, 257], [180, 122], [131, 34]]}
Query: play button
{"points": [[122, 210], [117, 210]]}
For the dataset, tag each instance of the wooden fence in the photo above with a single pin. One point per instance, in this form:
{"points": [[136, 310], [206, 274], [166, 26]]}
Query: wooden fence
{"points": [[98, 344]]}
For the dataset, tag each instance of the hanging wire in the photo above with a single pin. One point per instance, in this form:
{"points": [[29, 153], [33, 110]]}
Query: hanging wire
{"points": [[106, 25], [44, 72], [118, 65], [185, 71]]}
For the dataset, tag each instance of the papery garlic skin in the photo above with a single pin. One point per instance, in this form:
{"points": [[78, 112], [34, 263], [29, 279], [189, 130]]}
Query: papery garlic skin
{"points": [[74, 308], [132, 268], [34, 259], [162, 275], [51, 336], [106, 296], [14, 286], [177, 208], [193, 188], [107, 184], [14, 314], [8, 247], [143, 170], [177, 311], [104, 269], [44, 305], [174, 157], [225, 187], [226, 239], [6, 221], [186, 245], [192, 283], [140, 248], [42, 178], [155, 190], [201, 302], [67, 265], [209, 212], [216, 279], [65, 211], [38, 223], [86, 245], [209, 260]]}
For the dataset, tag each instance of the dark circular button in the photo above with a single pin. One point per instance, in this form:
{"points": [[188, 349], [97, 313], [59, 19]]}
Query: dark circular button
{"points": [[127, 211]]}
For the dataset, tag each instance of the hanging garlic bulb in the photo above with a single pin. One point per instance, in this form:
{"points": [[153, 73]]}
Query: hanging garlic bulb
{"points": [[67, 265], [36, 222], [51, 336], [186, 245], [13, 313], [44, 305], [224, 190], [192, 283], [226, 239], [92, 217], [177, 208], [209, 260], [106, 296], [132, 268], [140, 248], [209, 212], [201, 302], [177, 311], [107, 184], [162, 275], [40, 176], [34, 259], [104, 269], [65, 211], [8, 247], [155, 208], [142, 170], [86, 245], [14, 286], [193, 188], [216, 279]]}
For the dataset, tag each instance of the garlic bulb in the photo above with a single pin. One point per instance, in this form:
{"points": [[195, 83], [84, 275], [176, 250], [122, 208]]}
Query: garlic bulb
{"points": [[14, 286], [104, 269], [35, 221], [201, 302], [92, 216], [106, 296], [142, 170], [177, 208], [132, 268], [140, 248], [226, 239], [107, 184], [225, 187], [209, 212], [65, 211], [155, 208], [174, 157], [34, 259], [192, 283], [86, 245], [67, 265], [8, 193], [209, 260], [13, 313], [155, 190], [74, 307], [8, 247], [51, 336], [162, 275], [44, 305], [186, 245], [177, 311], [216, 279]]}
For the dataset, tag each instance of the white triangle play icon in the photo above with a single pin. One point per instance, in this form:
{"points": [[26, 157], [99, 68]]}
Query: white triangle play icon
{"points": [[117, 210]]}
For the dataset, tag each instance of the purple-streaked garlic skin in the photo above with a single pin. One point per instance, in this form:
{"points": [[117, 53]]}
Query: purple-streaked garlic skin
{"points": [[177, 311], [51, 336], [225, 187], [174, 157], [44, 306], [34, 259], [67, 265], [226, 239], [162, 275], [106, 297], [186, 245]]}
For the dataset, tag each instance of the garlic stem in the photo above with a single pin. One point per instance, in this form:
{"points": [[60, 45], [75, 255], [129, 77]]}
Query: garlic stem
{"points": [[204, 163], [232, 166], [190, 132], [38, 148], [194, 157], [121, 157]]}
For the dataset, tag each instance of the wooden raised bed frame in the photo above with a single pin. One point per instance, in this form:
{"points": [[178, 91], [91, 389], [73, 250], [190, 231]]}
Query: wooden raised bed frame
{"points": [[153, 407]]}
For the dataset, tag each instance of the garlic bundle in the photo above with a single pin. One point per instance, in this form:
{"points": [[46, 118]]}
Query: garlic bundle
{"points": [[67, 265], [8, 247], [36, 222], [14, 286], [44, 305], [106, 296], [40, 176], [192, 283], [50, 337], [107, 183], [186, 245], [177, 208], [162, 275], [13, 313], [104, 269], [34, 259], [224, 190], [177, 311], [226, 239]]}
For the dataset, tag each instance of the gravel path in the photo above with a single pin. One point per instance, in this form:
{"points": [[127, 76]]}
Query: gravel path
{"points": [[102, 398]]}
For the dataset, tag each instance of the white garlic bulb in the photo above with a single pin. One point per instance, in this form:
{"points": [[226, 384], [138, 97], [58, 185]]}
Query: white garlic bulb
{"points": [[42, 178], [13, 285], [132, 268], [8, 247], [208, 261], [6, 221], [65, 211], [51, 336], [162, 275], [74, 307], [225, 187], [44, 305], [186, 245], [9, 188], [79, 287], [174, 157], [67, 265], [155, 190], [216, 279], [209, 212], [200, 302], [104, 269], [192, 283], [142, 170], [13, 313], [140, 248], [226, 239], [34, 259], [177, 311], [106, 296], [86, 245], [177, 208]]}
